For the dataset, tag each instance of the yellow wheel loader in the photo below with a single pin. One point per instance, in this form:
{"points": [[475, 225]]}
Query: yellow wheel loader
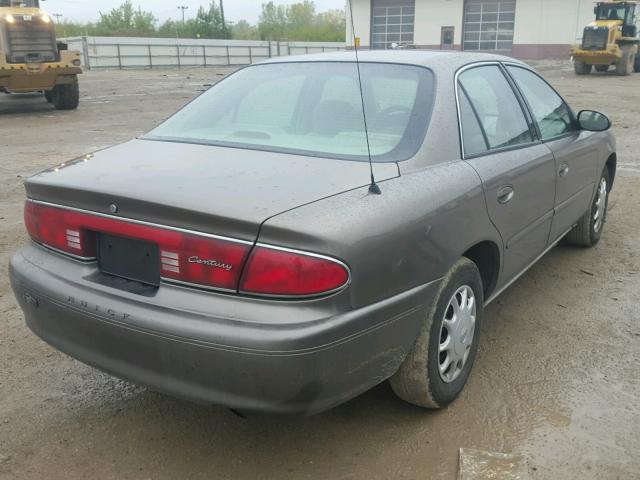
{"points": [[32, 60], [611, 40]]}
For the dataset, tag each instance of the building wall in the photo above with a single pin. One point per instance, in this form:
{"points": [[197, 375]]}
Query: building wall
{"points": [[543, 28], [546, 28], [362, 20], [432, 15]]}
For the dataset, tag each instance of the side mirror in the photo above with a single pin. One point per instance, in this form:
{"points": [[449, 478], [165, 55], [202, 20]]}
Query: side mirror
{"points": [[593, 121]]}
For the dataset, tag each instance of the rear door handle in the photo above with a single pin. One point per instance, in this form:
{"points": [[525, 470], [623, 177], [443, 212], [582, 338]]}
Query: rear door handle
{"points": [[505, 194], [564, 169]]}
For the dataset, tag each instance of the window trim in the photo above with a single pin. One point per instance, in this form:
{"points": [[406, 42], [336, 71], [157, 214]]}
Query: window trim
{"points": [[477, 117], [574, 121], [525, 112]]}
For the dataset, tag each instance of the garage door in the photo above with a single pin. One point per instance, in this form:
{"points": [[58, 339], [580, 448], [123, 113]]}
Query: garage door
{"points": [[392, 22], [488, 25]]}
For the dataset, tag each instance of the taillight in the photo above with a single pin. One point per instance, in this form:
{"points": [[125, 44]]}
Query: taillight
{"points": [[192, 258], [199, 259], [282, 272], [59, 229]]}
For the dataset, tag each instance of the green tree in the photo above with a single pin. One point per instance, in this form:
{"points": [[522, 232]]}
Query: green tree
{"points": [[208, 23], [242, 30], [331, 26], [273, 21], [299, 21], [126, 20]]}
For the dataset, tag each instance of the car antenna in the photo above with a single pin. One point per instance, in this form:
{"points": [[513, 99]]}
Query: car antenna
{"points": [[373, 187]]}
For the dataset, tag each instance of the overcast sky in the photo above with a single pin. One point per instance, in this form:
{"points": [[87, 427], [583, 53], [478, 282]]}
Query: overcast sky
{"points": [[87, 10]]}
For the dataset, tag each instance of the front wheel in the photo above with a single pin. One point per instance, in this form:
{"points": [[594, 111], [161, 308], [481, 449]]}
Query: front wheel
{"points": [[588, 231], [582, 68], [66, 96], [436, 369]]}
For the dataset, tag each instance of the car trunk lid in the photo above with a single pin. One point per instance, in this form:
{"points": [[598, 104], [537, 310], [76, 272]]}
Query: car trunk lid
{"points": [[209, 189]]}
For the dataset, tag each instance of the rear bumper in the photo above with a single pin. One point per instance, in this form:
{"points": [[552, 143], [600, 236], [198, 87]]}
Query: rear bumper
{"points": [[279, 365]]}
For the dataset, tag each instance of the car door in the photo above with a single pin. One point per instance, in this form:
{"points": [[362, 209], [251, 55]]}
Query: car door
{"points": [[575, 151], [517, 171]]}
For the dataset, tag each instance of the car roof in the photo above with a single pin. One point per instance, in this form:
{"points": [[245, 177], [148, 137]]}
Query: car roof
{"points": [[435, 59]]}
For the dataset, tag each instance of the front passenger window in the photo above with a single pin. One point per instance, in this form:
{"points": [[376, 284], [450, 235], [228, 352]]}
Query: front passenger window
{"points": [[497, 108], [549, 110]]}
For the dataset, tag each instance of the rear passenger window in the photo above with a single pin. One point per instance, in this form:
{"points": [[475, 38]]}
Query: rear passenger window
{"points": [[549, 110], [473, 137], [496, 106]]}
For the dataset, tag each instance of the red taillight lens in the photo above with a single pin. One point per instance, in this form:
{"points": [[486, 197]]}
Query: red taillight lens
{"points": [[59, 229], [272, 271], [186, 257]]}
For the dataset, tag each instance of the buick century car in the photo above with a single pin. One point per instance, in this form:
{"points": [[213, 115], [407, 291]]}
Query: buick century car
{"points": [[264, 250]]}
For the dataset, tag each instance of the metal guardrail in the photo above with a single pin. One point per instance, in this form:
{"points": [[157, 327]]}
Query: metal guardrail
{"points": [[122, 55]]}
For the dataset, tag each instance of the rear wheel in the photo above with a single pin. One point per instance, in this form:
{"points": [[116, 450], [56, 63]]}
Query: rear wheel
{"points": [[436, 369], [66, 96], [589, 228], [626, 64], [636, 66], [602, 68], [582, 68]]}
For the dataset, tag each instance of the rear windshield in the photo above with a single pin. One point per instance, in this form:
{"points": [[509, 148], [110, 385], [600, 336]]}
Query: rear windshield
{"points": [[312, 109]]}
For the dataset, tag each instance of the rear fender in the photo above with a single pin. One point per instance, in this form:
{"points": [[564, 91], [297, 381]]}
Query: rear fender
{"points": [[408, 236]]}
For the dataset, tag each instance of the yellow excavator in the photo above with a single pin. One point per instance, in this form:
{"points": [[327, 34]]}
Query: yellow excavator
{"points": [[612, 39], [32, 60]]}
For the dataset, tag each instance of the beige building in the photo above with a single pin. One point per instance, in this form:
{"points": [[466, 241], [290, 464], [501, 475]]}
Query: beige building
{"points": [[529, 29]]}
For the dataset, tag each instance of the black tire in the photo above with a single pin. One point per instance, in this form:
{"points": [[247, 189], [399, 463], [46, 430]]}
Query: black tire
{"points": [[418, 381], [66, 96], [626, 63], [582, 68], [602, 68], [585, 233], [636, 65], [48, 95]]}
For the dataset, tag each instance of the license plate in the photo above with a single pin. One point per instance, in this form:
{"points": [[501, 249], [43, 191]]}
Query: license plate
{"points": [[135, 260]]}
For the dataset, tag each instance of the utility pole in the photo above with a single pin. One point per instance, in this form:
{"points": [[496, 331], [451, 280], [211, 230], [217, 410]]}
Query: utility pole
{"points": [[183, 8], [224, 25], [58, 17]]}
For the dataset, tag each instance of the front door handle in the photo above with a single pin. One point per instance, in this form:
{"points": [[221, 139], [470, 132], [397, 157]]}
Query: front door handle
{"points": [[564, 169], [505, 194]]}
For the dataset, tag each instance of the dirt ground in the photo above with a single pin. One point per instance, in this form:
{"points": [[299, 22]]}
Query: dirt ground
{"points": [[557, 378]]}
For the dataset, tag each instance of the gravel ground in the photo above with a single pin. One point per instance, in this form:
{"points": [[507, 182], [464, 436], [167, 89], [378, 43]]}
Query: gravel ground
{"points": [[556, 379]]}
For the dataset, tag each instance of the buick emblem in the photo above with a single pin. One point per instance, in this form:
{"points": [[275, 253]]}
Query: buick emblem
{"points": [[113, 208]]}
